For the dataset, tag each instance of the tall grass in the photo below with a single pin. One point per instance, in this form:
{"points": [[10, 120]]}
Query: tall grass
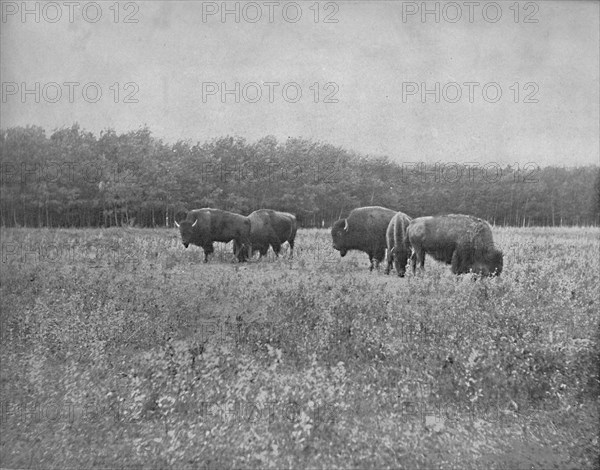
{"points": [[120, 348]]}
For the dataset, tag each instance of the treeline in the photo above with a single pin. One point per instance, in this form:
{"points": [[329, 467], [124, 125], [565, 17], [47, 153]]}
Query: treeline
{"points": [[75, 179]]}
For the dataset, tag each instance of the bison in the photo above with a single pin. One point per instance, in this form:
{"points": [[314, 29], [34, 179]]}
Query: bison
{"points": [[364, 229], [202, 227], [463, 241], [269, 227], [398, 246]]}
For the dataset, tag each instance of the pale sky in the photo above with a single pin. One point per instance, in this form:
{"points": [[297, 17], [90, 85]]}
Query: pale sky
{"points": [[368, 57]]}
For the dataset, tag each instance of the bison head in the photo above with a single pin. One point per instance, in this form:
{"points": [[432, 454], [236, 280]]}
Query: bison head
{"points": [[186, 228], [339, 232], [495, 262], [491, 264]]}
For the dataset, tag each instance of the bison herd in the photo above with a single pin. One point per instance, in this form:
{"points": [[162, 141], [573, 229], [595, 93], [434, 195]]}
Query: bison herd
{"points": [[462, 241], [258, 231]]}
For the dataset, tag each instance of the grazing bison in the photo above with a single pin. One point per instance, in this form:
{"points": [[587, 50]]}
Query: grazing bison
{"points": [[269, 227], [463, 241], [398, 246], [202, 227], [364, 229]]}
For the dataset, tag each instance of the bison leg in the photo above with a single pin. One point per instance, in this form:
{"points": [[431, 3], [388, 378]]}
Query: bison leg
{"points": [[458, 264], [418, 256], [239, 249], [208, 249], [390, 257], [291, 242], [379, 256], [276, 248], [242, 252], [240, 256], [455, 262], [371, 261], [245, 246]]}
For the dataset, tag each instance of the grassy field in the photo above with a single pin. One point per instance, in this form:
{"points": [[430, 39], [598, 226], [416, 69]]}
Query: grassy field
{"points": [[121, 349]]}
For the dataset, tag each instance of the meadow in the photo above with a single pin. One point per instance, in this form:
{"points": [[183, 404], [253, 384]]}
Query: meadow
{"points": [[121, 349]]}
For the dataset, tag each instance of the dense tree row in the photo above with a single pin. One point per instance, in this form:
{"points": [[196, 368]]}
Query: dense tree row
{"points": [[73, 178]]}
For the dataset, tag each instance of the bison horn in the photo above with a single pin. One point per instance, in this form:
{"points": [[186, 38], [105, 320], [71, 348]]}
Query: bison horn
{"points": [[345, 225], [194, 224], [176, 224]]}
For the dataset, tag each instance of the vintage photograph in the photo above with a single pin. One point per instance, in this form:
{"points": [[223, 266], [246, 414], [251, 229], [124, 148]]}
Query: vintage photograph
{"points": [[300, 234]]}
